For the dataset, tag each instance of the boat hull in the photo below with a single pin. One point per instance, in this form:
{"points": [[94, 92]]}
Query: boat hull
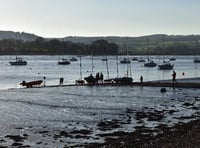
{"points": [[91, 80], [165, 66], [64, 62], [196, 60], [31, 83], [120, 80], [16, 63], [150, 64]]}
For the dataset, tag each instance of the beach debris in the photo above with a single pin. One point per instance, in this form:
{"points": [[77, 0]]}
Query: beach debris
{"points": [[163, 90]]}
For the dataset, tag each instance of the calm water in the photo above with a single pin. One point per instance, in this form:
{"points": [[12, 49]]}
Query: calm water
{"points": [[40, 66], [28, 111]]}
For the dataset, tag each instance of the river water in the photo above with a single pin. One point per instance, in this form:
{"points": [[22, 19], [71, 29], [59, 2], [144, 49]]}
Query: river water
{"points": [[40, 66], [35, 110]]}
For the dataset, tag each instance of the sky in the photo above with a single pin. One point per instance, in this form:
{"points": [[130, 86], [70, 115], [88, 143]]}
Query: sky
{"points": [[61, 18]]}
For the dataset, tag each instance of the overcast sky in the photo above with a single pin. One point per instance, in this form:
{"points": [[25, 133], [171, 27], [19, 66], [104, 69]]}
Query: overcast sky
{"points": [[60, 18]]}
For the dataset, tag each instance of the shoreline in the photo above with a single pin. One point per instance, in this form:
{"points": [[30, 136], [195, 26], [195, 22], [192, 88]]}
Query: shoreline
{"points": [[157, 125], [184, 133], [180, 135]]}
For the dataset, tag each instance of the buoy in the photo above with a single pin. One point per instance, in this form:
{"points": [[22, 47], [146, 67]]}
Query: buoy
{"points": [[163, 90]]}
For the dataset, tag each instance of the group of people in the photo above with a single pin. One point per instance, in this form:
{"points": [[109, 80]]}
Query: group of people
{"points": [[95, 79], [99, 77]]}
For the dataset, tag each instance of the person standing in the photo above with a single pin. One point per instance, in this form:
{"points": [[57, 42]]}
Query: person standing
{"points": [[44, 81], [141, 79], [61, 81], [101, 77], [174, 77]]}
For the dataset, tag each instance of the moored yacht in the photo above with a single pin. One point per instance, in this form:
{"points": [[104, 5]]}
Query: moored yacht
{"points": [[150, 63], [63, 61], [141, 59], [18, 62], [172, 59], [125, 61], [166, 66], [196, 60], [73, 59]]}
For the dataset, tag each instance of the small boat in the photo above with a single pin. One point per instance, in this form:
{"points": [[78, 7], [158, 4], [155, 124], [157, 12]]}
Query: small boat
{"points": [[196, 57], [18, 62], [124, 80], [125, 61], [166, 66], [172, 59], [73, 59], [134, 59], [141, 59], [104, 59], [64, 62], [80, 81], [30, 84], [91, 79], [196, 60], [150, 63], [120, 80]]}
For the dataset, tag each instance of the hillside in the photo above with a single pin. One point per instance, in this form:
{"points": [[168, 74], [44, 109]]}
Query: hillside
{"points": [[17, 35], [175, 44], [156, 44]]}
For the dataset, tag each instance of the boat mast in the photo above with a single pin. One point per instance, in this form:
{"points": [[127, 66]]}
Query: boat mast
{"points": [[163, 39], [16, 47], [128, 64], [127, 59], [80, 68], [117, 66], [148, 49], [92, 64], [63, 46], [196, 53], [107, 66]]}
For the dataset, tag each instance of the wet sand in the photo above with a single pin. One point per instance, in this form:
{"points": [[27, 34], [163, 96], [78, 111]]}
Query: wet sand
{"points": [[182, 135], [179, 135], [107, 132]]}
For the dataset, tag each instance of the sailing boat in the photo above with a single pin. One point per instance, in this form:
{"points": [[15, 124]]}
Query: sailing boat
{"points": [[63, 61], [121, 80], [104, 59], [141, 59], [196, 59], [80, 81], [126, 59], [172, 59], [91, 79], [149, 63], [73, 59], [18, 60], [165, 65]]}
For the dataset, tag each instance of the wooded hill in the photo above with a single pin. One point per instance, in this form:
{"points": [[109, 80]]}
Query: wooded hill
{"points": [[25, 43]]}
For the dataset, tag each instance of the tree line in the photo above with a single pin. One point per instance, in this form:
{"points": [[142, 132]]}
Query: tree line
{"points": [[99, 47], [56, 47]]}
